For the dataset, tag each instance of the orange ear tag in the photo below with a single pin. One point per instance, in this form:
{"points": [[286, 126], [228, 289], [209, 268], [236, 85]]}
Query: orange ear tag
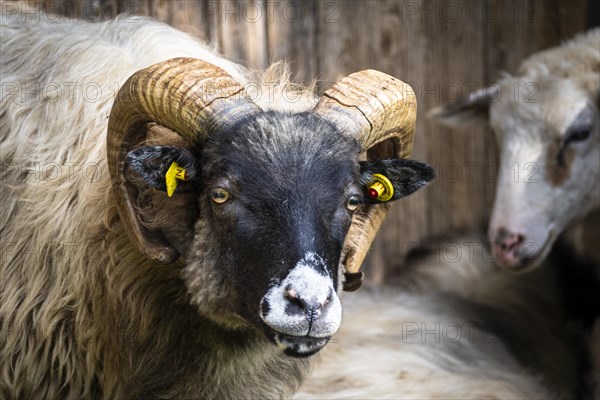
{"points": [[381, 188], [174, 173]]}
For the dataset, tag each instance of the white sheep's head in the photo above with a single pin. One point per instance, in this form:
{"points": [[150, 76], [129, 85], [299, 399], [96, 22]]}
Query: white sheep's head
{"points": [[547, 130], [282, 212]]}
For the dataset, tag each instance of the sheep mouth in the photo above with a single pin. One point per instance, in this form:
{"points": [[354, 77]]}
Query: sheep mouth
{"points": [[297, 346]]}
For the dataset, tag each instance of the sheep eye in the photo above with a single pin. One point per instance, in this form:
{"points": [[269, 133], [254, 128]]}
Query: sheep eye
{"points": [[219, 195], [353, 203], [579, 135]]}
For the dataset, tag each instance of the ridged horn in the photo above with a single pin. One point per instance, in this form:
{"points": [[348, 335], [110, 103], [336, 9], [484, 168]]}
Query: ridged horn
{"points": [[191, 97], [380, 112]]}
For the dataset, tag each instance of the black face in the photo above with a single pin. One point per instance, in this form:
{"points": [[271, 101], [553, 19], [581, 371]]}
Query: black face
{"points": [[278, 192], [287, 200]]}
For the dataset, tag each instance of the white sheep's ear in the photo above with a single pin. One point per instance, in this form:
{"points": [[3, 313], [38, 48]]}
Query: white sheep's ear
{"points": [[152, 163], [468, 111], [392, 179]]}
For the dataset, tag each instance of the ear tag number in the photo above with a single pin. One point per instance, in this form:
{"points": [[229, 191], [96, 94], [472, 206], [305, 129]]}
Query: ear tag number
{"points": [[174, 173], [381, 188]]}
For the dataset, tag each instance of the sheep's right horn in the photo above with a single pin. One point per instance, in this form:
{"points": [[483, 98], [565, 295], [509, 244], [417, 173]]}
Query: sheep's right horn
{"points": [[192, 98], [380, 112]]}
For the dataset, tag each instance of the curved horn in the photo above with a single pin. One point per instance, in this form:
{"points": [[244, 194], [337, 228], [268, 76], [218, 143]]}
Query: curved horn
{"points": [[380, 111], [188, 96]]}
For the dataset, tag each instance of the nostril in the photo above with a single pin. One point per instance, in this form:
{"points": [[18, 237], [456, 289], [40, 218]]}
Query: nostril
{"points": [[291, 293], [310, 307], [509, 241], [293, 298]]}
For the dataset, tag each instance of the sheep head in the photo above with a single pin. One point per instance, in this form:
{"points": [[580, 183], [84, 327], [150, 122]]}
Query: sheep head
{"points": [[282, 212], [548, 133]]}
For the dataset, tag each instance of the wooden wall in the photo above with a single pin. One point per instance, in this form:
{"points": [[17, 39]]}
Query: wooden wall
{"points": [[443, 48]]}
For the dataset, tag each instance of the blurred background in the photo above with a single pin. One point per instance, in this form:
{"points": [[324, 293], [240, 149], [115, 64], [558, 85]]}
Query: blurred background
{"points": [[445, 49]]}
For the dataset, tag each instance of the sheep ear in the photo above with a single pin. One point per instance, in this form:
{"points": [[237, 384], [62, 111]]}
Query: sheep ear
{"points": [[468, 111], [151, 163], [393, 179]]}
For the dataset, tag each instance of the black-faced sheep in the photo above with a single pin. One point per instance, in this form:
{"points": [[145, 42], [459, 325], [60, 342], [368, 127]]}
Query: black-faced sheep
{"points": [[547, 122], [110, 288]]}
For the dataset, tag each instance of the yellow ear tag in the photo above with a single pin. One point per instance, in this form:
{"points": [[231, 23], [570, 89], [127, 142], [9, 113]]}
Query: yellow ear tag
{"points": [[174, 173], [381, 188]]}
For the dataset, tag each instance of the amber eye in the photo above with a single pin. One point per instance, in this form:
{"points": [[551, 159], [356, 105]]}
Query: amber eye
{"points": [[219, 195], [353, 203]]}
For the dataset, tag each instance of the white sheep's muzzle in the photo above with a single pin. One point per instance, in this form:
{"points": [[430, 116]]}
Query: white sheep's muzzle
{"points": [[303, 310]]}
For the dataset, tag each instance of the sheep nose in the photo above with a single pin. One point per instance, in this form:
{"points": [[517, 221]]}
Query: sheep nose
{"points": [[311, 306], [508, 244], [508, 240]]}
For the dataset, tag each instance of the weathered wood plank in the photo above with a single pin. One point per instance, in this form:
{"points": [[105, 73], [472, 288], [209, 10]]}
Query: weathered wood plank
{"points": [[242, 32], [190, 17], [292, 36], [344, 38], [455, 66]]}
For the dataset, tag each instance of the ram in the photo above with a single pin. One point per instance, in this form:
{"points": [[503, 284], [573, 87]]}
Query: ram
{"points": [[112, 288], [548, 129]]}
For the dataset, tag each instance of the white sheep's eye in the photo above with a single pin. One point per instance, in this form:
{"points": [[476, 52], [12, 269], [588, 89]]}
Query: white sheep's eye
{"points": [[219, 195], [578, 135], [353, 203]]}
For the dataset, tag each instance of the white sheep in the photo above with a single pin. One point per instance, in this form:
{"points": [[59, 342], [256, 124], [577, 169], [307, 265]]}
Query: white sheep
{"points": [[547, 123]]}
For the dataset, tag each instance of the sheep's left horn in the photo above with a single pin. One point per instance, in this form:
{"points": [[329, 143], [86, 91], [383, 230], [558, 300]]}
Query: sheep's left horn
{"points": [[190, 97], [380, 112]]}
